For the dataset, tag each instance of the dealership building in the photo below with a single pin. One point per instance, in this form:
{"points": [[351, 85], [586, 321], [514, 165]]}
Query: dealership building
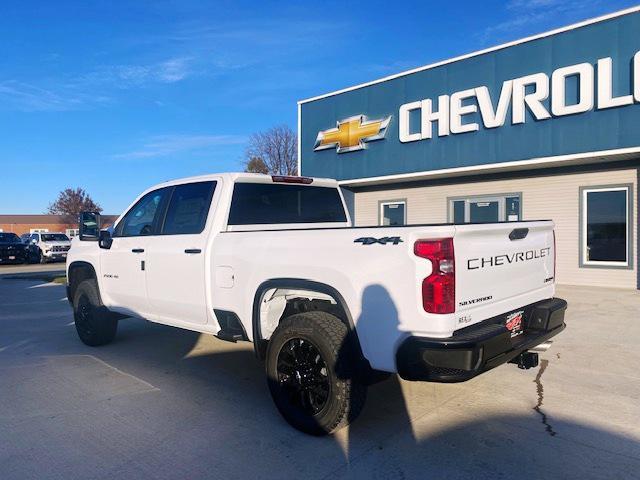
{"points": [[547, 127]]}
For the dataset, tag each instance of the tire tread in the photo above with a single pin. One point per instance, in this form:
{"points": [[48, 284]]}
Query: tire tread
{"points": [[353, 392], [105, 323]]}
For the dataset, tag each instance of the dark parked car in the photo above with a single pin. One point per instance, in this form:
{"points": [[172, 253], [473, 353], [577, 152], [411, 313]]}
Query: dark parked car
{"points": [[33, 252], [12, 250]]}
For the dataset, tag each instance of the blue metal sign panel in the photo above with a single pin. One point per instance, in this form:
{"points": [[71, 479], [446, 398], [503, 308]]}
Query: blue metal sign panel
{"points": [[568, 93]]}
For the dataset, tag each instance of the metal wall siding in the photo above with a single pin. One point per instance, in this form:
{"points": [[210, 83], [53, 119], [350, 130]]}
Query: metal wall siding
{"points": [[555, 197], [595, 130]]}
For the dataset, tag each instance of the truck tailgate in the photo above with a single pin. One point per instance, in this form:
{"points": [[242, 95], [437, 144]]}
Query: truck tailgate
{"points": [[501, 265]]}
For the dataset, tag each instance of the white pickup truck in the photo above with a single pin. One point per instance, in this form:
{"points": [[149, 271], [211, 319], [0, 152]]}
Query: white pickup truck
{"points": [[51, 247], [328, 306]]}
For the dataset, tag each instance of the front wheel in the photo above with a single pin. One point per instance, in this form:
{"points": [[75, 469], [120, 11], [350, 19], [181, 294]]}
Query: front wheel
{"points": [[312, 365], [94, 323]]}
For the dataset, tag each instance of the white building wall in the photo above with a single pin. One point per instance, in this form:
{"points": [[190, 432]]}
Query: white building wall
{"points": [[555, 197]]}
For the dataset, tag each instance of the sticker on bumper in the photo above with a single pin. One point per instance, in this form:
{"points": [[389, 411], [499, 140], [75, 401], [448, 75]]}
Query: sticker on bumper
{"points": [[515, 323]]}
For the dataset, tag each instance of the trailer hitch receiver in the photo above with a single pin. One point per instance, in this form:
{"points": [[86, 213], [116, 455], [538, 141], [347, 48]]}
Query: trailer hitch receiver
{"points": [[526, 360]]}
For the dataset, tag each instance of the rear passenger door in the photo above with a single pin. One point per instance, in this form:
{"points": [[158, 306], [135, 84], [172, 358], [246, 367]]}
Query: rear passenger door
{"points": [[176, 263]]}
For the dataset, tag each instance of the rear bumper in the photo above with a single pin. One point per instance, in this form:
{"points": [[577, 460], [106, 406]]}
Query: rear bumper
{"points": [[18, 257], [476, 349]]}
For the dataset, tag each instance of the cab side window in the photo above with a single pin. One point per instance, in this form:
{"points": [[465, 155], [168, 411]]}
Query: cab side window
{"points": [[188, 208], [143, 218]]}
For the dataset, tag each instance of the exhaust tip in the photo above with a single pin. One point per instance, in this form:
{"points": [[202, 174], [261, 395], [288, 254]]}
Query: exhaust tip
{"points": [[543, 347]]}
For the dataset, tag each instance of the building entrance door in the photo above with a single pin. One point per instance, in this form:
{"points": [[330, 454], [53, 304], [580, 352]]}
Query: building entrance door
{"points": [[485, 210]]}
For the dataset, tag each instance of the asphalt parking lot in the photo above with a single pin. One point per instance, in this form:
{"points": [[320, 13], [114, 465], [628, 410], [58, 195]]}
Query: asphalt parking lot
{"points": [[163, 403], [31, 269]]}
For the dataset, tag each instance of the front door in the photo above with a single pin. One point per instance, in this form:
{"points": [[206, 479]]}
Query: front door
{"points": [[123, 279], [123, 266], [176, 270]]}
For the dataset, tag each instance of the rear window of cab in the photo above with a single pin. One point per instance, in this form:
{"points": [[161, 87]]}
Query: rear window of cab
{"points": [[264, 203]]}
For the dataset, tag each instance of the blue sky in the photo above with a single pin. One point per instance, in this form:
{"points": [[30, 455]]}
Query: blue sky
{"points": [[116, 96]]}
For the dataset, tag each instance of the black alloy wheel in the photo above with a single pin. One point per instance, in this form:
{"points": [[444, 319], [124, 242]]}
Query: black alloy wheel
{"points": [[303, 375]]}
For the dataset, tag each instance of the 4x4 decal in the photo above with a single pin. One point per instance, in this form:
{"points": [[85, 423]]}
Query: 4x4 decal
{"points": [[381, 241]]}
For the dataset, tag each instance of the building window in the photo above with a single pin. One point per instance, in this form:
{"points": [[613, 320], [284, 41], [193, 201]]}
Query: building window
{"points": [[486, 208], [72, 232], [605, 223], [393, 212]]}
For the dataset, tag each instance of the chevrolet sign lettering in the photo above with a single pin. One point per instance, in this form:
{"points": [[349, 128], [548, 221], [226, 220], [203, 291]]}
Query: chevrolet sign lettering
{"points": [[459, 112], [352, 134], [507, 258]]}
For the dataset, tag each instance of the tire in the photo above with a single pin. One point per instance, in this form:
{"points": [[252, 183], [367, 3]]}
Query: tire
{"points": [[42, 258], [312, 364], [94, 323]]}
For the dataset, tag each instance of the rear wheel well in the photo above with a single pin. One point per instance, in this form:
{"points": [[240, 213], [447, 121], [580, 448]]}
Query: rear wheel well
{"points": [[284, 303], [275, 300], [278, 299], [78, 272]]}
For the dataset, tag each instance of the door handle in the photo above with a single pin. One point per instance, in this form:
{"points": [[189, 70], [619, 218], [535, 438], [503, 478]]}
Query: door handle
{"points": [[138, 250], [193, 250]]}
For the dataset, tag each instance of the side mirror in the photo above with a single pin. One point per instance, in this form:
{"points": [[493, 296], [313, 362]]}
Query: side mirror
{"points": [[105, 239], [33, 241], [89, 226]]}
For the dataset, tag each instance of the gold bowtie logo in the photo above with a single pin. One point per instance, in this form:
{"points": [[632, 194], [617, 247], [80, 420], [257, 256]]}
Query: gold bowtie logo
{"points": [[352, 133]]}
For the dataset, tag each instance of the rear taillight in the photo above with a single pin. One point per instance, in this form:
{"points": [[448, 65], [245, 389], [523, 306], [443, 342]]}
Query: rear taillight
{"points": [[439, 288]]}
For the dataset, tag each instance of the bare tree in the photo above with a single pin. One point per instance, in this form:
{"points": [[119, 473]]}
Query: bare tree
{"points": [[256, 165], [277, 147], [71, 202]]}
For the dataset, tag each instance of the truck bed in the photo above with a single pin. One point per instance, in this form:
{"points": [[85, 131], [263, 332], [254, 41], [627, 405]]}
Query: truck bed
{"points": [[380, 277]]}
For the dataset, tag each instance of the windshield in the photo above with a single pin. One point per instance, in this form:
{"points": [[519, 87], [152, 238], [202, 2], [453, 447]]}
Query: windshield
{"points": [[54, 237], [9, 238]]}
